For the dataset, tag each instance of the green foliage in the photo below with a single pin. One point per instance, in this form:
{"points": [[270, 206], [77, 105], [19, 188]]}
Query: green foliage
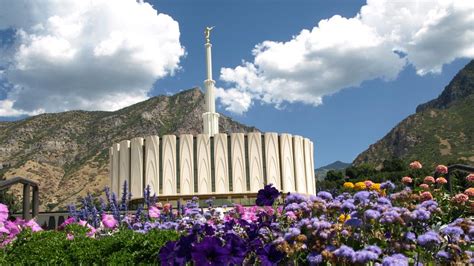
{"points": [[53, 247], [334, 175]]}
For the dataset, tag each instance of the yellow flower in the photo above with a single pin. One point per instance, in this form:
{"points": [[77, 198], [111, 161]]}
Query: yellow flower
{"points": [[376, 187], [348, 185], [344, 217], [360, 186]]}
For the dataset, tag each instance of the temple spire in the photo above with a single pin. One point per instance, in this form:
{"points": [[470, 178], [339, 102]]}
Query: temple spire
{"points": [[210, 117]]}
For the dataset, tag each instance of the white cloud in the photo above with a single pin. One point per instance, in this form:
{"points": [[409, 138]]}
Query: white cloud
{"points": [[93, 55], [235, 101], [343, 52]]}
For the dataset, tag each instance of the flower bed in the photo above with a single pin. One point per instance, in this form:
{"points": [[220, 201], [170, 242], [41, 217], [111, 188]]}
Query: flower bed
{"points": [[366, 223]]}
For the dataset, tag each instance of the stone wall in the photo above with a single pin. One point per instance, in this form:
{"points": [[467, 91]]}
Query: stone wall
{"points": [[203, 165]]}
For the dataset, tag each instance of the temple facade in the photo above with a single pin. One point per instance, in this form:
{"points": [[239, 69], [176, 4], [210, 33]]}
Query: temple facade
{"points": [[212, 163]]}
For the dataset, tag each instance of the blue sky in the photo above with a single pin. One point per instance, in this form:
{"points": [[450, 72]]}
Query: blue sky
{"points": [[348, 120]]}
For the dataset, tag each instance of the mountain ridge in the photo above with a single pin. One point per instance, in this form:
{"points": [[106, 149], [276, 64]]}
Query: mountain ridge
{"points": [[440, 131]]}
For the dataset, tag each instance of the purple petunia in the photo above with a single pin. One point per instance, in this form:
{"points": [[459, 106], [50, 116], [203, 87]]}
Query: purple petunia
{"points": [[267, 195], [269, 255], [237, 248], [210, 252]]}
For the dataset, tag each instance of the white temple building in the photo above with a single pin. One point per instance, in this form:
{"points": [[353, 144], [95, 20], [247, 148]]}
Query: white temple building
{"points": [[212, 164]]}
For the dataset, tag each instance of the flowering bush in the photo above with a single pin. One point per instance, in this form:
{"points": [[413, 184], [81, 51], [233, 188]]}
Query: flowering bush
{"points": [[367, 223]]}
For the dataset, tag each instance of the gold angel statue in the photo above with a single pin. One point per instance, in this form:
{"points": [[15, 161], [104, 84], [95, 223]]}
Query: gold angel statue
{"points": [[207, 34]]}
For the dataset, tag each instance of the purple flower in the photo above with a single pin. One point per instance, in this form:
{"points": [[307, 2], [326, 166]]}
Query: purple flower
{"points": [[374, 249], [294, 197], [210, 252], [429, 238], [314, 258], [167, 254], [362, 196], [237, 248], [430, 205], [371, 214], [454, 232], [410, 236], [348, 205], [353, 222], [421, 215], [388, 185], [345, 253], [267, 195], [443, 255], [389, 217], [364, 256], [324, 195], [395, 260], [292, 232], [270, 255]]}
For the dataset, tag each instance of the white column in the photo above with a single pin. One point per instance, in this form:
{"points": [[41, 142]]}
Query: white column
{"points": [[221, 164], [239, 178], [204, 164], [272, 159], [136, 168], [124, 171], [255, 161], [169, 164], [186, 164], [152, 163], [210, 117]]}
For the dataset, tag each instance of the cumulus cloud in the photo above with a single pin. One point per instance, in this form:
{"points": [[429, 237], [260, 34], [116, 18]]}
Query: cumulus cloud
{"points": [[341, 52], [93, 55]]}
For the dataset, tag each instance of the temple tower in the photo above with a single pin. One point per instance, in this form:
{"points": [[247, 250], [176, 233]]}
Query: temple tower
{"points": [[210, 117]]}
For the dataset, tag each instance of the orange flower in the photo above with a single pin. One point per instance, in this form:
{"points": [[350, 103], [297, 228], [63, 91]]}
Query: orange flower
{"points": [[426, 196], [441, 180], [469, 192], [416, 165]]}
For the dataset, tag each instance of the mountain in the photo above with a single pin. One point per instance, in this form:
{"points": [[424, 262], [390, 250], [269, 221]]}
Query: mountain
{"points": [[322, 171], [67, 153], [441, 130]]}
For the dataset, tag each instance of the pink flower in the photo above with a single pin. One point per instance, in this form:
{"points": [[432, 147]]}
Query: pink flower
{"points": [[368, 183], [70, 236], [166, 207], [291, 215], [426, 196], [3, 229], [91, 232], [33, 225], [154, 212], [470, 178], [406, 180], [239, 208], [441, 180], [429, 180], [12, 227], [425, 186], [3, 212], [269, 210], [250, 216], [82, 223], [442, 169], [461, 198], [109, 221], [469, 192], [416, 165]]}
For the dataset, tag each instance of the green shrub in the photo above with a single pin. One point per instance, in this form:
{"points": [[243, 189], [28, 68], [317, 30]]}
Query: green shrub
{"points": [[52, 247]]}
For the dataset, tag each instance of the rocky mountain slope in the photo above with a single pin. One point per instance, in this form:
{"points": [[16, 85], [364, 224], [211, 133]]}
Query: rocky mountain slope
{"points": [[67, 153], [441, 130]]}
